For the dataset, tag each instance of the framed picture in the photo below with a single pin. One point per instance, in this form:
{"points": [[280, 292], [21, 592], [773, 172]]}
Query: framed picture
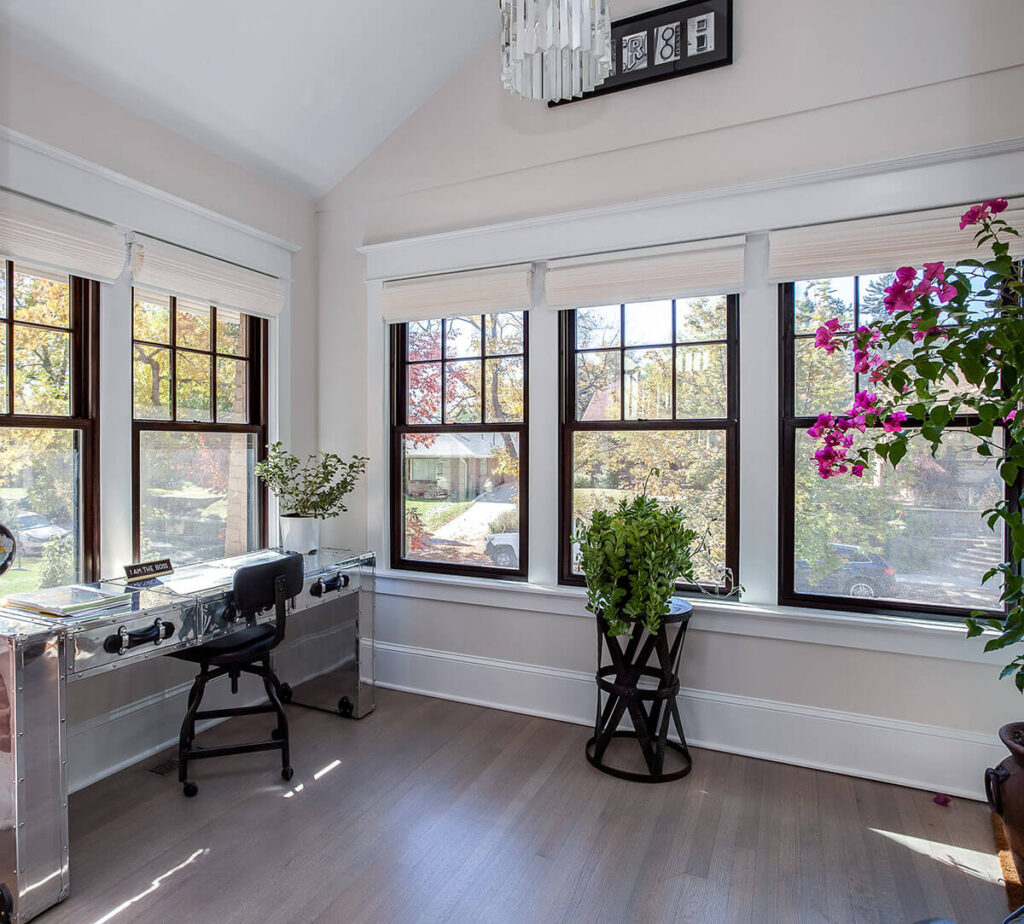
{"points": [[671, 42]]}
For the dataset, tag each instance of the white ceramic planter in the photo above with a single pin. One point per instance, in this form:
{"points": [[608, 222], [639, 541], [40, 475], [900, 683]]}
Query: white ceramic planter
{"points": [[300, 534]]}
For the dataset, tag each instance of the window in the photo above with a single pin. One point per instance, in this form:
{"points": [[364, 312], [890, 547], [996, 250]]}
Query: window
{"points": [[905, 539], [48, 403], [651, 386], [199, 399], [459, 444]]}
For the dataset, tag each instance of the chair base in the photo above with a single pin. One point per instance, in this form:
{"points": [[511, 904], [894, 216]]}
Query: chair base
{"points": [[279, 736]]}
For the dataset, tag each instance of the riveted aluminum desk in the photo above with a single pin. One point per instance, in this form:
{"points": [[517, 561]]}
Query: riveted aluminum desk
{"points": [[40, 655]]}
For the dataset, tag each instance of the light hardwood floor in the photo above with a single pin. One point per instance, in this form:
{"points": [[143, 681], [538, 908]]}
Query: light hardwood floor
{"points": [[436, 811]]}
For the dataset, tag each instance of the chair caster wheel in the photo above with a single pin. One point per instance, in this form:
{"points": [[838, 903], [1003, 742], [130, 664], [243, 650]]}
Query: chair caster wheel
{"points": [[189, 789], [345, 708], [287, 773], [285, 693], [277, 734]]}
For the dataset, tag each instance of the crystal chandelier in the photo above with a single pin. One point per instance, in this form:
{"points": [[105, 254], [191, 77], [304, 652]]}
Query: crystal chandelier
{"points": [[555, 49]]}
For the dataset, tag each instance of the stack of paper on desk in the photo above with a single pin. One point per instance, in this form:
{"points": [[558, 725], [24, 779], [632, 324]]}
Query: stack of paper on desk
{"points": [[74, 600]]}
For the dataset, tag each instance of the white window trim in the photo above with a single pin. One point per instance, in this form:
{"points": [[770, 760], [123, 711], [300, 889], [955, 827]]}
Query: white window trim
{"points": [[907, 184]]}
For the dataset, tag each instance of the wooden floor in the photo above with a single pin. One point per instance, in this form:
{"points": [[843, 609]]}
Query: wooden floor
{"points": [[435, 811]]}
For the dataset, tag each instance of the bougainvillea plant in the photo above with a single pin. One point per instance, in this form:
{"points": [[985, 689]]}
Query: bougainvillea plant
{"points": [[950, 347]]}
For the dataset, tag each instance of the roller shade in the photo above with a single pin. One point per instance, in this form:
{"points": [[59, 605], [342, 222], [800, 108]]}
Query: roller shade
{"points": [[55, 239], [701, 268], [174, 270], [878, 245], [505, 288]]}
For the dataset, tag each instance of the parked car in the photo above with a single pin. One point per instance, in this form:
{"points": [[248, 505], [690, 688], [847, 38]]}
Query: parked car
{"points": [[33, 531], [503, 549], [860, 574]]}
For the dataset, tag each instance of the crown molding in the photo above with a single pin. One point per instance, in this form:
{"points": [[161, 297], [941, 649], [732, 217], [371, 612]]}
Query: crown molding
{"points": [[58, 155], [940, 171]]}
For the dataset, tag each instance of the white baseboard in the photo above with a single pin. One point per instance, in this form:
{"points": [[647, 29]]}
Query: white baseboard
{"points": [[929, 757]]}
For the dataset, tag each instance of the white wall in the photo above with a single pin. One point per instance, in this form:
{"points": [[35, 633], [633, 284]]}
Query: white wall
{"points": [[815, 87], [38, 103]]}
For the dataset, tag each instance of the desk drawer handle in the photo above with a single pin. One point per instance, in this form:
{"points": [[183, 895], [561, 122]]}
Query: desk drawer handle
{"points": [[323, 586], [120, 643]]}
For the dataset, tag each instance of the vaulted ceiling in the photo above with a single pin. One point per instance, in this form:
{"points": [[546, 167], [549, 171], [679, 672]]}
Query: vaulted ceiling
{"points": [[299, 91]]}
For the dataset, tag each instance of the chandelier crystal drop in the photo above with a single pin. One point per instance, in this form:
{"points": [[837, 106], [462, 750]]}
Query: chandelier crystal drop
{"points": [[555, 49]]}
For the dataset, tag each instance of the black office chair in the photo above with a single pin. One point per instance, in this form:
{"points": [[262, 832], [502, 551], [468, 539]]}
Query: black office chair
{"points": [[256, 588]]}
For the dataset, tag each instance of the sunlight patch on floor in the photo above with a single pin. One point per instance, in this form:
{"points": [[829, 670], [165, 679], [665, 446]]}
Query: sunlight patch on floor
{"points": [[152, 888], [975, 863], [323, 771]]}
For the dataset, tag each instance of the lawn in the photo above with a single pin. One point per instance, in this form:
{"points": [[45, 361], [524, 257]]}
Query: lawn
{"points": [[21, 578], [434, 512]]}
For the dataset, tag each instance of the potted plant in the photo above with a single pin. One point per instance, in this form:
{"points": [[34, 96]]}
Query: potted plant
{"points": [[308, 492], [934, 357], [632, 557]]}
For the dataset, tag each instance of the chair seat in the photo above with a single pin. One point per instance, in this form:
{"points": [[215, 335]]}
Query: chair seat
{"points": [[237, 648]]}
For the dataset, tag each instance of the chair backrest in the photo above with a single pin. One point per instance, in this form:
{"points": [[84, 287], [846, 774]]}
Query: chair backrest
{"points": [[259, 587]]}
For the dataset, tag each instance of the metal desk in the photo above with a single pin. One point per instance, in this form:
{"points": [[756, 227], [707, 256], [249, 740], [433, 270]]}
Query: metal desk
{"points": [[40, 655]]}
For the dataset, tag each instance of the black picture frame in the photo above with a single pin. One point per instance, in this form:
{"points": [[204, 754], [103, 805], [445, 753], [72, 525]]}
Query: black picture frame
{"points": [[674, 33]]}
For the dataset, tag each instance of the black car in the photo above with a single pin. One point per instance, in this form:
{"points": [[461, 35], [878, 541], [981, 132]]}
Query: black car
{"points": [[860, 574]]}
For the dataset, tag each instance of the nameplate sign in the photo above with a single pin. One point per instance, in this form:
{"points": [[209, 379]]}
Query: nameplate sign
{"points": [[145, 570]]}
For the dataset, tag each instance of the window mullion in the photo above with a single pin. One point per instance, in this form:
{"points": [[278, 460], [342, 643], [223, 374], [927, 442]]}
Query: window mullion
{"points": [[173, 358]]}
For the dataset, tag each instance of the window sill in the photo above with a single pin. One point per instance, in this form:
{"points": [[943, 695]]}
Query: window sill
{"points": [[904, 635]]}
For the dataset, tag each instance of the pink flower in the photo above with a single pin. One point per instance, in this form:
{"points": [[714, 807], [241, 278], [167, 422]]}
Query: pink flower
{"points": [[901, 294], [1010, 417], [947, 293], [935, 271], [864, 402], [824, 422], [894, 423], [972, 216], [858, 470], [824, 337], [997, 205]]}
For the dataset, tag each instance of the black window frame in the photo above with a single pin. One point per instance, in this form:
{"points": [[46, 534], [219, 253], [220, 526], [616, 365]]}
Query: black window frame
{"points": [[729, 425], [84, 406], [400, 427], [789, 425], [257, 404]]}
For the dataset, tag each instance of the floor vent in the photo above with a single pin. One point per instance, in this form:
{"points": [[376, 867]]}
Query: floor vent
{"points": [[164, 766]]}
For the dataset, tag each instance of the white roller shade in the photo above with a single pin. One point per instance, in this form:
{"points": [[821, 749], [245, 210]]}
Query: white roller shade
{"points": [[505, 288], [176, 271], [701, 268], [879, 245], [55, 239]]}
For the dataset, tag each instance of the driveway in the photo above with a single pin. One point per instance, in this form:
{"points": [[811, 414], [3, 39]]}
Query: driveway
{"points": [[475, 523]]}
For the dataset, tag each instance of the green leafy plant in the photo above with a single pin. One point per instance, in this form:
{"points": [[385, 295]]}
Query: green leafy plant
{"points": [[314, 488], [631, 558]]}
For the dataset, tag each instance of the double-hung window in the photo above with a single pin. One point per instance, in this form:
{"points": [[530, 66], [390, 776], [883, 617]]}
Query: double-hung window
{"points": [[200, 409], [48, 407], [911, 538], [649, 399], [459, 444]]}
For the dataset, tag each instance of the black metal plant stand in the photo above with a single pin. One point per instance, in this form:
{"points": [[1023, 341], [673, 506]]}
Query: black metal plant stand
{"points": [[653, 710]]}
